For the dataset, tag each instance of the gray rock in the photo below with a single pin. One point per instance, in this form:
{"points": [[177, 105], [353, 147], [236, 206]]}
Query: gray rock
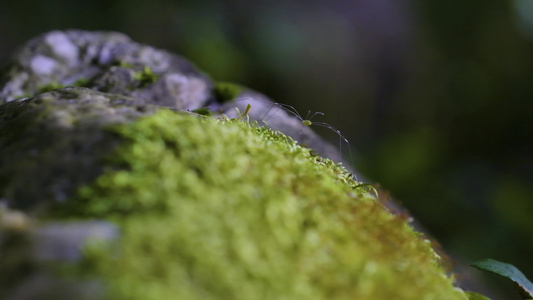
{"points": [[33, 254], [64, 241], [44, 286], [52, 143], [107, 62], [110, 62]]}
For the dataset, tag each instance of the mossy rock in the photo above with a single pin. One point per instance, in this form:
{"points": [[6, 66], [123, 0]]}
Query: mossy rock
{"points": [[206, 208], [108, 196]]}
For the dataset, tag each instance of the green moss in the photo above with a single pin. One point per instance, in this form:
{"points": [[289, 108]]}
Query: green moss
{"points": [[81, 82], [126, 65], [226, 91], [221, 209], [476, 296], [53, 85], [146, 76], [17, 97], [203, 112]]}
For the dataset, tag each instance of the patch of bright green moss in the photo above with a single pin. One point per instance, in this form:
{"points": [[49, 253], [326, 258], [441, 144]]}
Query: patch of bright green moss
{"points": [[146, 76], [226, 91], [221, 209], [53, 85]]}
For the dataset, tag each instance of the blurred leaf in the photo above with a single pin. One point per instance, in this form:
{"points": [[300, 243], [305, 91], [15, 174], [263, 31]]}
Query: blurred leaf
{"points": [[509, 271]]}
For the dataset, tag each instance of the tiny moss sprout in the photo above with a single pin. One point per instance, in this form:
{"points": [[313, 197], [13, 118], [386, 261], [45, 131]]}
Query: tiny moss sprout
{"points": [[81, 82], [366, 187], [52, 85], [244, 115]]}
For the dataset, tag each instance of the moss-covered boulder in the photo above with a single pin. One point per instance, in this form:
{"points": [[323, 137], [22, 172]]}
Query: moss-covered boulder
{"points": [[113, 196]]}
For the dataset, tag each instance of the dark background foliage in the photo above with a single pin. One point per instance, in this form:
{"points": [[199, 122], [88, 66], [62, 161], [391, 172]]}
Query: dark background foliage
{"points": [[434, 96]]}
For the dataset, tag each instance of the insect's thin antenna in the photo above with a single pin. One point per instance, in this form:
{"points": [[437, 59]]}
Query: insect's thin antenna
{"points": [[316, 113]]}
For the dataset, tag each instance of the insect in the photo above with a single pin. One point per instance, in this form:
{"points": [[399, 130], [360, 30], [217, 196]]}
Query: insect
{"points": [[262, 110], [307, 121]]}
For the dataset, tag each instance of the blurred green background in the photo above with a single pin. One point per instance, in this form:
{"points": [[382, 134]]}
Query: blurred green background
{"points": [[435, 96]]}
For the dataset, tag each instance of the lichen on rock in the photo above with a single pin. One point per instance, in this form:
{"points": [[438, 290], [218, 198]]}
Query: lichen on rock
{"points": [[167, 204]]}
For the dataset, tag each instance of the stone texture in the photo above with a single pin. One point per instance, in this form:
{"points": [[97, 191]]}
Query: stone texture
{"points": [[107, 62], [110, 62], [51, 143]]}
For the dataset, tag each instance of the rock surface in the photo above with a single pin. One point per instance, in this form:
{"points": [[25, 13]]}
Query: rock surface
{"points": [[110, 62], [106, 62]]}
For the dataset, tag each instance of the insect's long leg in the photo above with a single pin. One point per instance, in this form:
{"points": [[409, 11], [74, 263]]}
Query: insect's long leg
{"points": [[326, 125], [264, 118], [294, 112], [289, 109], [322, 124]]}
